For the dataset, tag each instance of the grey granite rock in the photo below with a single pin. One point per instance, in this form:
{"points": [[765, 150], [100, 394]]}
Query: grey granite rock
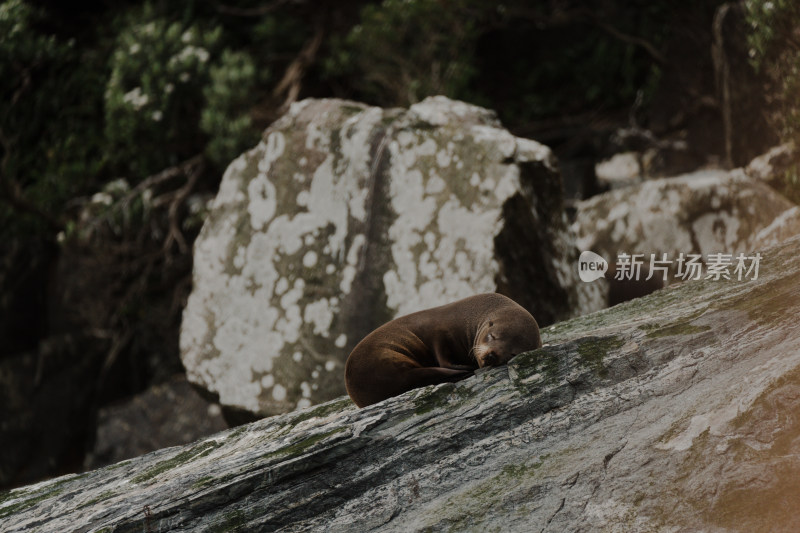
{"points": [[705, 212]]}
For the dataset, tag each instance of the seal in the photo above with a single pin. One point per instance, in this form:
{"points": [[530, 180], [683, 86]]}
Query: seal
{"points": [[438, 345]]}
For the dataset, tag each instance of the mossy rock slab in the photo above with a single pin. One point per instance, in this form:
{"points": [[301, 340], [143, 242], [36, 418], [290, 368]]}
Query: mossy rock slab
{"points": [[673, 412]]}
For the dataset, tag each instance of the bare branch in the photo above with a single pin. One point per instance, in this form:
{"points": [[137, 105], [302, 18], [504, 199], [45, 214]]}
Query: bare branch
{"points": [[11, 192], [252, 12], [190, 168], [175, 234], [564, 18], [647, 46], [292, 79]]}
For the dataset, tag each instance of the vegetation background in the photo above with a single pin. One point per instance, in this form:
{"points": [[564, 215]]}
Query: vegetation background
{"points": [[117, 120]]}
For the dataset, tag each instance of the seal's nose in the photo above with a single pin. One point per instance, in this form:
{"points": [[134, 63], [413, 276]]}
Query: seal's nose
{"points": [[490, 359]]}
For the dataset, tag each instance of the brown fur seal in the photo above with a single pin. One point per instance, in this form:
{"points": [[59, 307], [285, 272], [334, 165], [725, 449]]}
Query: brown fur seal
{"points": [[438, 345]]}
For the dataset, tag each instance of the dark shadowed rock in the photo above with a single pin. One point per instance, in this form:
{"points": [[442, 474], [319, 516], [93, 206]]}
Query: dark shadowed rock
{"points": [[45, 412], [346, 216], [164, 415], [673, 412]]}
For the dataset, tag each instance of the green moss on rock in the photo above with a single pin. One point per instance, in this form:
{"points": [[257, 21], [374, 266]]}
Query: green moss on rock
{"points": [[544, 361], [437, 396], [298, 448], [184, 457], [323, 410], [592, 352]]}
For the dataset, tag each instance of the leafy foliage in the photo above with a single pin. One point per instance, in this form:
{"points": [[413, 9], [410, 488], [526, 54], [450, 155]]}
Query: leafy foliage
{"points": [[50, 121], [154, 95], [405, 50], [228, 95], [774, 41], [527, 60]]}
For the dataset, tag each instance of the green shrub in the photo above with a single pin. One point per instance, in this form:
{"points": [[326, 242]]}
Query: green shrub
{"points": [[228, 96], [405, 50], [50, 115], [154, 95], [774, 42]]}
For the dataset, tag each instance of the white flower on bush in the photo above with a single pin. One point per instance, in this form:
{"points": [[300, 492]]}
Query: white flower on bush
{"points": [[190, 52], [102, 198], [135, 98]]}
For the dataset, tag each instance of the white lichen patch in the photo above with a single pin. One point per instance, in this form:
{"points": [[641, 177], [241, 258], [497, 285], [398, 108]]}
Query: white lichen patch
{"points": [[320, 315], [785, 225], [441, 111], [279, 393], [310, 259], [717, 233], [351, 265], [341, 341]]}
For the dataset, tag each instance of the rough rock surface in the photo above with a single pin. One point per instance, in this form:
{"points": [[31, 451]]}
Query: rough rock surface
{"points": [[673, 412], [705, 212], [346, 216], [785, 225], [620, 170], [772, 165]]}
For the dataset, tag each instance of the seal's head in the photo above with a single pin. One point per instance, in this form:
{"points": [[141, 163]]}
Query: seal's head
{"points": [[504, 334]]}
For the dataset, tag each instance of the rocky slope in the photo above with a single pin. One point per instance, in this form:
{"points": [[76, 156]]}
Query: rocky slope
{"points": [[673, 412]]}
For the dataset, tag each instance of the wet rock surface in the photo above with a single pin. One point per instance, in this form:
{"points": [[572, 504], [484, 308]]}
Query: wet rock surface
{"points": [[672, 412]]}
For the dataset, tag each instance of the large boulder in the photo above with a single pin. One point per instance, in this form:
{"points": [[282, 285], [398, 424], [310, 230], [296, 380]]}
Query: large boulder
{"points": [[346, 216], [705, 212], [673, 412]]}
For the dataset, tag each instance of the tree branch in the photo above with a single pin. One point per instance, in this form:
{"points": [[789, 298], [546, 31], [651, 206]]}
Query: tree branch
{"points": [[11, 192], [293, 76], [193, 171], [252, 12], [646, 45], [565, 18]]}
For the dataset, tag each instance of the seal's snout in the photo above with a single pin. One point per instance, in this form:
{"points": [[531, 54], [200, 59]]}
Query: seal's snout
{"points": [[491, 359]]}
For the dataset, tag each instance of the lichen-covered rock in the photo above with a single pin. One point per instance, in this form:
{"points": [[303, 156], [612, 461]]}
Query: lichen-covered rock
{"points": [[620, 170], [346, 216], [706, 212], [785, 226], [673, 412], [771, 166]]}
